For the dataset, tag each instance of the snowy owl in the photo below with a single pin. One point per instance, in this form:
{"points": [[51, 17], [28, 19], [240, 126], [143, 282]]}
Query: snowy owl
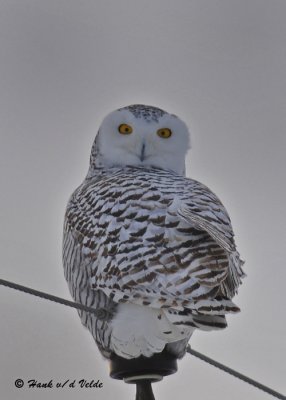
{"points": [[150, 248]]}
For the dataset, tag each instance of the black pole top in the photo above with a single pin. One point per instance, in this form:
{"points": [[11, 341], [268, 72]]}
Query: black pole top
{"points": [[154, 368]]}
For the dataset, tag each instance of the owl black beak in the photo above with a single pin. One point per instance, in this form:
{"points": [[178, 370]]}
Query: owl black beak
{"points": [[142, 154]]}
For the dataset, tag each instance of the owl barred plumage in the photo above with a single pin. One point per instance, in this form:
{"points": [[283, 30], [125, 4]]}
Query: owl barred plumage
{"points": [[151, 248]]}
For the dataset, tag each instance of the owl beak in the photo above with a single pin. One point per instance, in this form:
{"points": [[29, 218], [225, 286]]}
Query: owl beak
{"points": [[142, 154]]}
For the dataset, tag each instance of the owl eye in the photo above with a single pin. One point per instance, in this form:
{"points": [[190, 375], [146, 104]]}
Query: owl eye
{"points": [[125, 129], [164, 133]]}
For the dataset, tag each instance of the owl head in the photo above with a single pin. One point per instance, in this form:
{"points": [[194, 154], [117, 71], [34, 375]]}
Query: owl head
{"points": [[143, 136]]}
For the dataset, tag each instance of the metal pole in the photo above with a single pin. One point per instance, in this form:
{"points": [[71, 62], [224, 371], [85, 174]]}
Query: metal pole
{"points": [[144, 390]]}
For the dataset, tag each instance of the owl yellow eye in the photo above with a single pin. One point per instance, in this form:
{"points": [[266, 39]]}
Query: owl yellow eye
{"points": [[125, 129], [164, 133]]}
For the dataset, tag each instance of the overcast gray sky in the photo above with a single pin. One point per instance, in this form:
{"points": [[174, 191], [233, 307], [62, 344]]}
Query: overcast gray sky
{"points": [[64, 64]]}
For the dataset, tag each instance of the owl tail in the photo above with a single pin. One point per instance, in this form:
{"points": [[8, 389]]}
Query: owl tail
{"points": [[144, 390]]}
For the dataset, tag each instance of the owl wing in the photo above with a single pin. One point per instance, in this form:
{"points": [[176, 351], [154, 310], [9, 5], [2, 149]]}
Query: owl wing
{"points": [[204, 209], [78, 258]]}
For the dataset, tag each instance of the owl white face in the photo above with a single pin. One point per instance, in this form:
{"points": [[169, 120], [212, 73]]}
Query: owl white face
{"points": [[143, 136]]}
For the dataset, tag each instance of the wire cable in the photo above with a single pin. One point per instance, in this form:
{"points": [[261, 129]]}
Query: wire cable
{"points": [[235, 373], [101, 313]]}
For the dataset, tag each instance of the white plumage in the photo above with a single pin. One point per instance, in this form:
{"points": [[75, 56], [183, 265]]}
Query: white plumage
{"points": [[151, 248]]}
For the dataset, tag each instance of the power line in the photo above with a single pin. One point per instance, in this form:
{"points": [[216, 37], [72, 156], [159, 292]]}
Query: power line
{"points": [[235, 373], [101, 313]]}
